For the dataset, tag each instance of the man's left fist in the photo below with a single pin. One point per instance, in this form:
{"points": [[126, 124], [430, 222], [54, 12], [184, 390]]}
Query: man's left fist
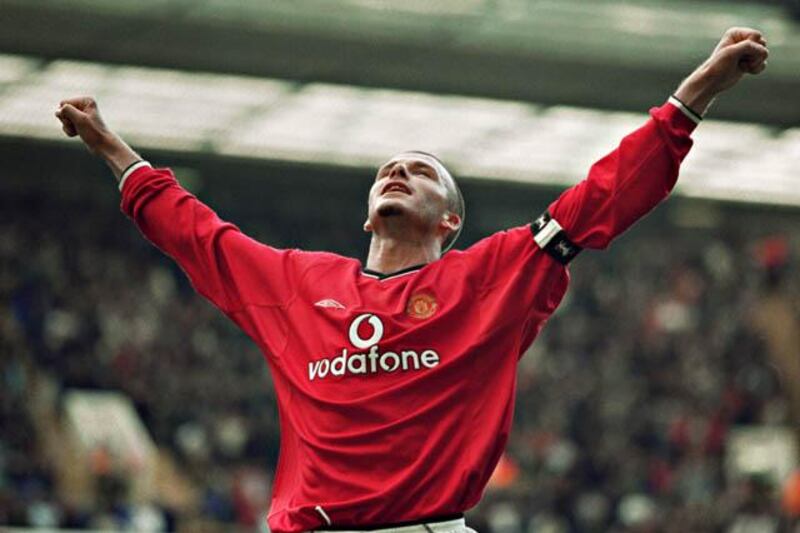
{"points": [[740, 51]]}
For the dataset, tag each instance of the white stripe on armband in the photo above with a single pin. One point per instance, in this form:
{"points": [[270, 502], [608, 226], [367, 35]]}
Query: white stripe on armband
{"points": [[130, 170], [694, 117], [546, 234], [551, 238]]}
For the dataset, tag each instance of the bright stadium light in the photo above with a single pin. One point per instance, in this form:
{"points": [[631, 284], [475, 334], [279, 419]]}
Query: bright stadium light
{"points": [[14, 68], [359, 127]]}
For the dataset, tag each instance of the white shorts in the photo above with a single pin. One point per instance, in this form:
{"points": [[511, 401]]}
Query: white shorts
{"points": [[457, 525]]}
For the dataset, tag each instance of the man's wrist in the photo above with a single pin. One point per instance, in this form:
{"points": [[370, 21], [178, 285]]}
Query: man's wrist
{"points": [[696, 92], [686, 110], [117, 154]]}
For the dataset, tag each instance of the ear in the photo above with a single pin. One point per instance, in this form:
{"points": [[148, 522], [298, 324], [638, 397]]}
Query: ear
{"points": [[450, 222]]}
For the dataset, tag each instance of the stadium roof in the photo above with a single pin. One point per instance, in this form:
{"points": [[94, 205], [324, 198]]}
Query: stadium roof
{"points": [[163, 109], [620, 55]]}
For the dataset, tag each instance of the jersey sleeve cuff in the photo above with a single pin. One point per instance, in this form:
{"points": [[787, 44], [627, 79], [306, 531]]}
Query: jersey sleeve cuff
{"points": [[687, 111], [133, 167]]}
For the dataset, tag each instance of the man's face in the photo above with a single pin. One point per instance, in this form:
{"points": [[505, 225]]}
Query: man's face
{"points": [[411, 185]]}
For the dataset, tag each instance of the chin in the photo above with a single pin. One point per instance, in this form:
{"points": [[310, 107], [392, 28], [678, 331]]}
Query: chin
{"points": [[389, 209]]}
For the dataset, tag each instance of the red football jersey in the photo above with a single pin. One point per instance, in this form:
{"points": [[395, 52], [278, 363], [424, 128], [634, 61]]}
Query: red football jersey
{"points": [[396, 392]]}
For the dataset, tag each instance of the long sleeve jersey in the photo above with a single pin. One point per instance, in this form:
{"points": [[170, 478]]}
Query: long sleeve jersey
{"points": [[395, 392]]}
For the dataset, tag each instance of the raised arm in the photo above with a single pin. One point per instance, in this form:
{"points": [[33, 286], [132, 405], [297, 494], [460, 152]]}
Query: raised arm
{"points": [[630, 181], [223, 264]]}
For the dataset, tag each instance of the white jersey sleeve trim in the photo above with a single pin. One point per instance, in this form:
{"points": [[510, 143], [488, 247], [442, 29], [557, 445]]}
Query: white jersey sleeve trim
{"points": [[685, 110], [323, 514], [130, 170]]}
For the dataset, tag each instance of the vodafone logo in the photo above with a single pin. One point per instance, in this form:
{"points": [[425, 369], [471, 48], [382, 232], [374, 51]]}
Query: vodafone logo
{"points": [[377, 331], [365, 332]]}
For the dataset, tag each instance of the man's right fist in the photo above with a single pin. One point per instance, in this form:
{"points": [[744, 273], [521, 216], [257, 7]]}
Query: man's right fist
{"points": [[80, 116]]}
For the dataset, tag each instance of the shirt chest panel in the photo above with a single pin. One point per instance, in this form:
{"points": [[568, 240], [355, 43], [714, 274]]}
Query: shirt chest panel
{"points": [[348, 289], [352, 311]]}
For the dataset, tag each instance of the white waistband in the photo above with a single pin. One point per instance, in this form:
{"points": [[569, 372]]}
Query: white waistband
{"points": [[447, 526]]}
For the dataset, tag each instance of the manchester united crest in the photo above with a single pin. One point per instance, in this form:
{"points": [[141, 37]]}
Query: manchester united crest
{"points": [[421, 305]]}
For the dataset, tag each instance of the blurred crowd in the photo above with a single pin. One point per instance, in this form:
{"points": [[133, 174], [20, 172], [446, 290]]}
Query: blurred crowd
{"points": [[627, 399], [625, 402]]}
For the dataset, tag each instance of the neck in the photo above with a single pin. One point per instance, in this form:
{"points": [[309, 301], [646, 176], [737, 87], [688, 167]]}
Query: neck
{"points": [[387, 254]]}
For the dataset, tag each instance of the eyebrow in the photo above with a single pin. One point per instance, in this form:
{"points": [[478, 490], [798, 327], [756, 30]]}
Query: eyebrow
{"points": [[412, 162]]}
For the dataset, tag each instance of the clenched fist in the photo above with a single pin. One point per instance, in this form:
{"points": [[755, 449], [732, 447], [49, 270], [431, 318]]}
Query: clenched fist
{"points": [[80, 117], [740, 51]]}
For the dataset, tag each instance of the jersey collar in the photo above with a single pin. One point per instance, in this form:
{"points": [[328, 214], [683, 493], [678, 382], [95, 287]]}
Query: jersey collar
{"points": [[381, 276]]}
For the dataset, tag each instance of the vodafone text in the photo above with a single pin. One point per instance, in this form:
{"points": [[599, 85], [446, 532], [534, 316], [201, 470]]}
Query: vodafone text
{"points": [[372, 360]]}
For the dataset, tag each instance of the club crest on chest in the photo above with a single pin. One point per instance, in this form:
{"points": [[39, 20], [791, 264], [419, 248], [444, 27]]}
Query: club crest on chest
{"points": [[421, 305]]}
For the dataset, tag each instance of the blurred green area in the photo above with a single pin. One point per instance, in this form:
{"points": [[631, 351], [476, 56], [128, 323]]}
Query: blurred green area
{"points": [[603, 54]]}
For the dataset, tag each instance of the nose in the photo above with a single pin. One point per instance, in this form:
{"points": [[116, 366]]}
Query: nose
{"points": [[399, 169]]}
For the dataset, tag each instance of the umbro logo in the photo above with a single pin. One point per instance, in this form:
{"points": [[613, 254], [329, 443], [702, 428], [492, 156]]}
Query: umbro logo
{"points": [[329, 303]]}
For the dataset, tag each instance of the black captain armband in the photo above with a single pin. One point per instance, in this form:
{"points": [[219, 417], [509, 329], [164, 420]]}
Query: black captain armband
{"points": [[551, 238]]}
